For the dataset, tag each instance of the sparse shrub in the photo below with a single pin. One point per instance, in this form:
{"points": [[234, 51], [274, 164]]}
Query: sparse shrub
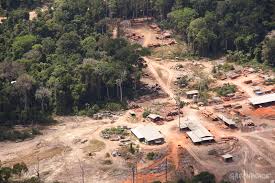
{"points": [[107, 155], [146, 113], [182, 104], [151, 156]]}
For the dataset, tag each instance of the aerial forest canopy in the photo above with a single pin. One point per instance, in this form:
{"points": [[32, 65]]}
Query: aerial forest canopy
{"points": [[63, 62], [66, 62]]}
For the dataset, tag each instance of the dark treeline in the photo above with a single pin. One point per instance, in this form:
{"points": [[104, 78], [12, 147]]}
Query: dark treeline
{"points": [[211, 27], [64, 62], [14, 4]]}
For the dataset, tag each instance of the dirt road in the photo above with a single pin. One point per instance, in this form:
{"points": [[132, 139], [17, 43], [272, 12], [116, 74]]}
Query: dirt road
{"points": [[166, 86]]}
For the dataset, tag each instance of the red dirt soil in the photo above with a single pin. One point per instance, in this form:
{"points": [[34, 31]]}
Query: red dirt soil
{"points": [[264, 112]]}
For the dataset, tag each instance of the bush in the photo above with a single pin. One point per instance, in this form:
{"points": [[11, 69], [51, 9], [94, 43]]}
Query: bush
{"points": [[112, 106], [204, 177], [151, 156], [238, 57], [226, 89], [146, 113], [90, 111], [36, 131]]}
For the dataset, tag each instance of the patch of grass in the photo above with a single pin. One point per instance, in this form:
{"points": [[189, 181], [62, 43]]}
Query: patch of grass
{"points": [[171, 52], [95, 146]]}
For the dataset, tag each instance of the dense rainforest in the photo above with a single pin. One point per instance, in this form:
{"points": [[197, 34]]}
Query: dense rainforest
{"points": [[65, 61]]}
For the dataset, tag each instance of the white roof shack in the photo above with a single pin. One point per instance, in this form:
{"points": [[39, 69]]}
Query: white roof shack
{"points": [[192, 92], [262, 99], [229, 122], [148, 132], [227, 156], [154, 116]]}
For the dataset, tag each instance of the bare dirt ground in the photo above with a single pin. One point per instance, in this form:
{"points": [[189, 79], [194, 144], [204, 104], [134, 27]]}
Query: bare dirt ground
{"points": [[64, 151]]}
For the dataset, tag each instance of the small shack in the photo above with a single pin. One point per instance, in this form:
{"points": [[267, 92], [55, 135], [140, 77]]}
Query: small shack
{"points": [[155, 117], [148, 134], [192, 93], [228, 122], [227, 157]]}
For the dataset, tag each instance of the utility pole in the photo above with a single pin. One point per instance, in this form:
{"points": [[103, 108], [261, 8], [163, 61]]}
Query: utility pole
{"points": [[133, 171], [166, 170], [177, 99]]}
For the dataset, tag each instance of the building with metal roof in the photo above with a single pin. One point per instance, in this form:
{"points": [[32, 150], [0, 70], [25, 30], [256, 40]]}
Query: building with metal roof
{"points": [[148, 134], [263, 99], [198, 133], [227, 121]]}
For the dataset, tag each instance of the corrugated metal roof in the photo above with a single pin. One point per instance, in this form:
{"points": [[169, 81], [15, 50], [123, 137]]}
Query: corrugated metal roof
{"points": [[226, 120], [137, 133], [193, 137], [262, 99], [198, 132], [148, 132]]}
